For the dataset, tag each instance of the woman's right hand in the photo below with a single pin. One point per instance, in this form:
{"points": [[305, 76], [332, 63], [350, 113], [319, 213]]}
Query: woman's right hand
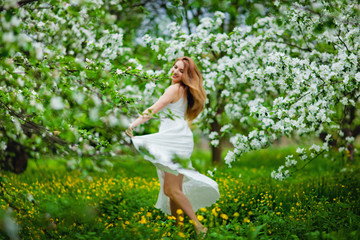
{"points": [[129, 132]]}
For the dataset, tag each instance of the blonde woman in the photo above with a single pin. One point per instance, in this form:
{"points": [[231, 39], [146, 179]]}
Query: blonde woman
{"points": [[181, 188]]}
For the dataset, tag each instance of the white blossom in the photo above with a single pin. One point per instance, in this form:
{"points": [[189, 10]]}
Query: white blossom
{"points": [[230, 157], [226, 127], [8, 37], [300, 150], [56, 103], [357, 77], [213, 135], [214, 142]]}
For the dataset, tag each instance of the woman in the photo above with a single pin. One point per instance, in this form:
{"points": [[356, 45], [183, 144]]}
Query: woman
{"points": [[181, 188]]}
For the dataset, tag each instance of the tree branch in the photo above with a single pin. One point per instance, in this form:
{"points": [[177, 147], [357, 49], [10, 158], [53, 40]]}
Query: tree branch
{"points": [[27, 125], [186, 16], [343, 42], [141, 4], [309, 161], [356, 131], [20, 4], [291, 45], [325, 16]]}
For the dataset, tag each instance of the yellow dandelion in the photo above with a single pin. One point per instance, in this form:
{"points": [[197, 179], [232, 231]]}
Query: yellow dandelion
{"points": [[143, 220], [181, 234], [171, 217], [109, 225], [200, 217], [192, 222], [179, 212], [213, 211], [224, 216]]}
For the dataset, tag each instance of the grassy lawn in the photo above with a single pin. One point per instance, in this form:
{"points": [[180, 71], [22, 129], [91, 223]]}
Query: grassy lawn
{"points": [[52, 202]]}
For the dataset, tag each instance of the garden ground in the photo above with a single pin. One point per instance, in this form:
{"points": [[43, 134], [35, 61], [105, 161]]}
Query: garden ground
{"points": [[52, 202]]}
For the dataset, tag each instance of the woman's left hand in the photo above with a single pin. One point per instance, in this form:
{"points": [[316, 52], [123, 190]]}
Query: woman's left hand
{"points": [[129, 132]]}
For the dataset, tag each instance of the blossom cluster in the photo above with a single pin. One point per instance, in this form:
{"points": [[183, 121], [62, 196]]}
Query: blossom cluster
{"points": [[56, 75], [261, 79]]}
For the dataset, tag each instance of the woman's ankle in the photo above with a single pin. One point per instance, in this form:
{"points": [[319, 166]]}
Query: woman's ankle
{"points": [[201, 230]]}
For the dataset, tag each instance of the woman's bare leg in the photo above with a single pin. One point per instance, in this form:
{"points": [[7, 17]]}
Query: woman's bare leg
{"points": [[173, 189], [174, 207]]}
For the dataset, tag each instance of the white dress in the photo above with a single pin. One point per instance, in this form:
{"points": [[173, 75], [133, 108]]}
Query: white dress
{"points": [[175, 138]]}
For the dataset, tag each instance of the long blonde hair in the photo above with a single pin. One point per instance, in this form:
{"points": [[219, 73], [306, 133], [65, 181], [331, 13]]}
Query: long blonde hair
{"points": [[194, 89]]}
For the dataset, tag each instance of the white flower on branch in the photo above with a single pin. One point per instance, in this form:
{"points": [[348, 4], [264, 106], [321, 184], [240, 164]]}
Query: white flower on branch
{"points": [[119, 72], [214, 142], [229, 158], [56, 103], [225, 128], [350, 139], [8, 37], [357, 77], [213, 135]]}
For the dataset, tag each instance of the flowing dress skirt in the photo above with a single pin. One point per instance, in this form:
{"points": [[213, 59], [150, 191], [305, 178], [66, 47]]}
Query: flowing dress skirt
{"points": [[176, 139]]}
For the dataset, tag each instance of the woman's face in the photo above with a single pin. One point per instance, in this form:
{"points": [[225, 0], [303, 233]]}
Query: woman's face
{"points": [[177, 71]]}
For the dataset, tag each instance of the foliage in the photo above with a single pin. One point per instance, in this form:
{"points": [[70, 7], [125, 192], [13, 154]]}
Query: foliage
{"points": [[119, 203], [63, 77], [293, 74]]}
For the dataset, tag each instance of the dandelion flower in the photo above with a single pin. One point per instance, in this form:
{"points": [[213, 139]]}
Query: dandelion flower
{"points": [[224, 216]]}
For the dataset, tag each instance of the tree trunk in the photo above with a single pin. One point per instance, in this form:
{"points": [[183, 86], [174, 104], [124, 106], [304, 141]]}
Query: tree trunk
{"points": [[351, 152], [216, 151], [349, 131], [216, 154], [16, 158]]}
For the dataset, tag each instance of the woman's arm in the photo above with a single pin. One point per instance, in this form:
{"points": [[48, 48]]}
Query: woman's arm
{"points": [[169, 95]]}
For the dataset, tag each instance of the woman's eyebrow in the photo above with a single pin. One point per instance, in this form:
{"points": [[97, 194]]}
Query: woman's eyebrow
{"points": [[179, 67]]}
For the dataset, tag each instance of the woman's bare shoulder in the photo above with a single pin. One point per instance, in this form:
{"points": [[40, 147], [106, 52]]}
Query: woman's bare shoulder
{"points": [[175, 88]]}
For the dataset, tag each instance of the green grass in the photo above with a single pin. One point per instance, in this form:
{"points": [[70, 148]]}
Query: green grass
{"points": [[52, 202]]}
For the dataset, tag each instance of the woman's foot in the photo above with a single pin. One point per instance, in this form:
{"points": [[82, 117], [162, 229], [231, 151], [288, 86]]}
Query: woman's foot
{"points": [[201, 231]]}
